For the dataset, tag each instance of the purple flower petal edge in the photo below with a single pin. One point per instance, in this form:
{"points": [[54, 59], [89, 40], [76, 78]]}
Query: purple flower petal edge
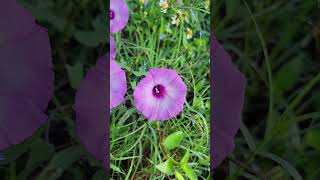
{"points": [[113, 49], [228, 98], [26, 76], [91, 111], [19, 118]]}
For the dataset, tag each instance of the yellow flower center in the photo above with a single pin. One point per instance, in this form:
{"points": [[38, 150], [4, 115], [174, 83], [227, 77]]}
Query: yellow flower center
{"points": [[189, 33], [164, 5]]}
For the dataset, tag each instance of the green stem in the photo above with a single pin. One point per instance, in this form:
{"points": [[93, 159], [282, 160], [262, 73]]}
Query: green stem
{"points": [[12, 171]]}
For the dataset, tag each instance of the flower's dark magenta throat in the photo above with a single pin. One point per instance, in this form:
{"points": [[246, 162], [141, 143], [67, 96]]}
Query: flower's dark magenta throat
{"points": [[159, 91], [112, 14]]}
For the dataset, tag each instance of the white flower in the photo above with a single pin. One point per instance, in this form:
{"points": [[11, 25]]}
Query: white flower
{"points": [[164, 5], [189, 33], [175, 20]]}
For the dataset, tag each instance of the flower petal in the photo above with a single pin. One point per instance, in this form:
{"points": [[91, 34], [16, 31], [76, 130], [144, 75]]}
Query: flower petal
{"points": [[19, 118], [166, 107], [113, 49], [26, 68], [121, 15], [91, 105], [228, 96], [16, 21], [26, 76], [91, 112], [118, 84]]}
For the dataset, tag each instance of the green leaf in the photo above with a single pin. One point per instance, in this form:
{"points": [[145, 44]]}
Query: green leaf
{"points": [[46, 14], [312, 139], [40, 151], [14, 152], [173, 140], [75, 74], [139, 73], [185, 159], [178, 175], [166, 167], [60, 162], [90, 38], [191, 174]]}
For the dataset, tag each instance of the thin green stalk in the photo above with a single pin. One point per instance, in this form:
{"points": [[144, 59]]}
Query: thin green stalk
{"points": [[270, 120]]}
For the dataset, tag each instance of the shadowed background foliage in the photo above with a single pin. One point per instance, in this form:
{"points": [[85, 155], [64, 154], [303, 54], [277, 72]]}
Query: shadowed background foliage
{"points": [[276, 44], [77, 33]]}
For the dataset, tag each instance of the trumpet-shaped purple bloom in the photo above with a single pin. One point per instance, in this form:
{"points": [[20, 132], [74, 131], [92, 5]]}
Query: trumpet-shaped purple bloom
{"points": [[160, 95], [113, 49], [228, 97], [26, 74], [119, 15], [118, 84]]}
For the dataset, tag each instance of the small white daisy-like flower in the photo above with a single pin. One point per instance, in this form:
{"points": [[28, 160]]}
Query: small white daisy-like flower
{"points": [[189, 33], [164, 6], [175, 20]]}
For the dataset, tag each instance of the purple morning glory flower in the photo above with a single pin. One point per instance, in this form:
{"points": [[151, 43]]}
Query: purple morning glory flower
{"points": [[228, 93], [113, 49], [26, 76], [160, 95], [119, 15], [91, 105]]}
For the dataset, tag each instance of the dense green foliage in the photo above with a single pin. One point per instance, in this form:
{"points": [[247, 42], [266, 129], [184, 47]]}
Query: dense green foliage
{"points": [[138, 146], [276, 45], [78, 36]]}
